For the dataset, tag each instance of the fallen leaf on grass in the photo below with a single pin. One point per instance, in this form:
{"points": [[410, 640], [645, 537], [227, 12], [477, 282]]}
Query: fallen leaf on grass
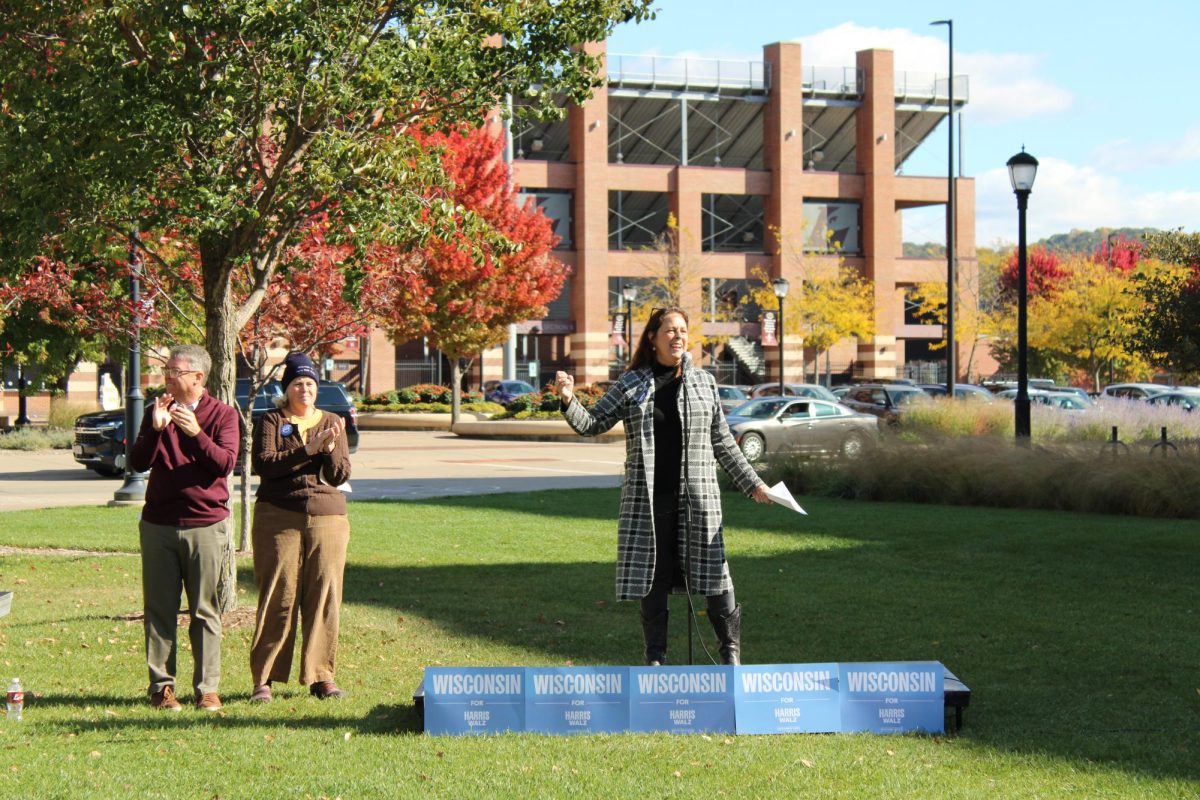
{"points": [[346, 737], [806, 763], [677, 774], [94, 754]]}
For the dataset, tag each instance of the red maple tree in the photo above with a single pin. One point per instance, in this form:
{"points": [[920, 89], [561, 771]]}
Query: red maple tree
{"points": [[1044, 273], [1119, 253], [461, 302]]}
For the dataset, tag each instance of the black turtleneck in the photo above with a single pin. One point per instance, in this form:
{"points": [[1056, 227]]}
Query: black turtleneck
{"points": [[668, 436]]}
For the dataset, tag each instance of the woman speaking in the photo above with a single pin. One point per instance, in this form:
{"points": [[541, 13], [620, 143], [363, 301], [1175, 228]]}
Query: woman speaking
{"points": [[674, 435]]}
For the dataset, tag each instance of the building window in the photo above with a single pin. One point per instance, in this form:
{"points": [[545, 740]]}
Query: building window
{"points": [[732, 223], [636, 220], [832, 227], [556, 205]]}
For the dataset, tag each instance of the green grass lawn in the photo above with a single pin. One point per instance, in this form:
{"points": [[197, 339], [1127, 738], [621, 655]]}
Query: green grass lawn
{"points": [[1077, 634]]}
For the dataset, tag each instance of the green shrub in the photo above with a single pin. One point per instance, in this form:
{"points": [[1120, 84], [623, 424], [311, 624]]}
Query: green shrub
{"points": [[524, 402], [64, 412], [37, 439], [431, 392]]}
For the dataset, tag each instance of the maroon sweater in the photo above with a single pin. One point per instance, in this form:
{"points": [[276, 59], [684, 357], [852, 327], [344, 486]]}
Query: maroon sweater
{"points": [[188, 485]]}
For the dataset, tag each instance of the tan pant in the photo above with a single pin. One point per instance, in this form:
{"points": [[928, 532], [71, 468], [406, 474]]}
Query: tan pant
{"points": [[189, 558], [298, 565]]}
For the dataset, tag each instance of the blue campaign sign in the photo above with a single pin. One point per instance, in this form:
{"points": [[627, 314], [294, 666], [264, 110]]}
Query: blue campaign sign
{"points": [[474, 700], [787, 698], [893, 696], [681, 699], [577, 699]]}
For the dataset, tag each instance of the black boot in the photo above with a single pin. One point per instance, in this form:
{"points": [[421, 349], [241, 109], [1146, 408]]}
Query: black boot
{"points": [[654, 629], [729, 633]]}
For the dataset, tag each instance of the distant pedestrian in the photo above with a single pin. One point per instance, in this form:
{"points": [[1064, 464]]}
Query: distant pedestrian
{"points": [[188, 443], [300, 536]]}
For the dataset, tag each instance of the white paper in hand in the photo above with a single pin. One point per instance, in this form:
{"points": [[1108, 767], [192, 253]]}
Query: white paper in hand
{"points": [[780, 494]]}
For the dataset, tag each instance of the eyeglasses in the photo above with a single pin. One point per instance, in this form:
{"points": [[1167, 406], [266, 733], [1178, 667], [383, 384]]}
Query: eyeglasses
{"points": [[173, 372]]}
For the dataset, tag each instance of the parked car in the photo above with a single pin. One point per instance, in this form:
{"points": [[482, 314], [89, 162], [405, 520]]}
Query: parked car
{"points": [[884, 400], [1075, 390], [731, 397], [1185, 398], [333, 397], [100, 441], [1067, 401], [1132, 391], [506, 391], [777, 426], [793, 390], [962, 391], [100, 436]]}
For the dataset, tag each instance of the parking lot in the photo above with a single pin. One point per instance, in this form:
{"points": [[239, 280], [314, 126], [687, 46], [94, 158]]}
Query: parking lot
{"points": [[388, 465]]}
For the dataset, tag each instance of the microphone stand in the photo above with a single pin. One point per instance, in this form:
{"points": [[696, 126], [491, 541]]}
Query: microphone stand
{"points": [[687, 506]]}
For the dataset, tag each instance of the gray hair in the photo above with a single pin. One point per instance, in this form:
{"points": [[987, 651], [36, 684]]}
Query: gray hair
{"points": [[195, 355]]}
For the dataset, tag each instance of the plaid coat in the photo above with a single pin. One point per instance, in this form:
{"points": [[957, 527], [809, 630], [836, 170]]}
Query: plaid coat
{"points": [[631, 400]]}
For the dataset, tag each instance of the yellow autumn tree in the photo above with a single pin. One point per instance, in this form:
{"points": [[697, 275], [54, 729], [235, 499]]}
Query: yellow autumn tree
{"points": [[832, 302], [1085, 324], [978, 316], [670, 274]]}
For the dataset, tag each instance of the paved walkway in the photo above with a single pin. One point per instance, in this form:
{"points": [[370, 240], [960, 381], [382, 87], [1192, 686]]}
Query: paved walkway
{"points": [[388, 464]]}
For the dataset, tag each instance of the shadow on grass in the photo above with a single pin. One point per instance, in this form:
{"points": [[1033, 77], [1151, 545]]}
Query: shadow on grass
{"points": [[1076, 633], [382, 720]]}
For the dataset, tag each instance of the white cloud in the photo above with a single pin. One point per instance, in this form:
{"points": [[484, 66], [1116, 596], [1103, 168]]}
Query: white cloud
{"points": [[1067, 196], [1003, 86], [1123, 155]]}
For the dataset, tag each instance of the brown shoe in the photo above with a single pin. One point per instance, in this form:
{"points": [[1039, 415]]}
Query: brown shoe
{"points": [[208, 702], [326, 690], [165, 700]]}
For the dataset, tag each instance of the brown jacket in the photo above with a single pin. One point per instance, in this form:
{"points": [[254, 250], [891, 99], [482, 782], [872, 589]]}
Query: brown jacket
{"points": [[294, 477]]}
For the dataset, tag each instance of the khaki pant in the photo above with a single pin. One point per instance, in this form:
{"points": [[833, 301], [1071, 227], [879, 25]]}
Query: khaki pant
{"points": [[298, 564], [190, 558]]}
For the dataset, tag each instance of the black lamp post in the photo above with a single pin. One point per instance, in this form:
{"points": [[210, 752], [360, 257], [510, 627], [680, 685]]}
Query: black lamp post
{"points": [[1022, 169], [780, 285], [629, 293], [22, 407], [134, 488], [951, 218]]}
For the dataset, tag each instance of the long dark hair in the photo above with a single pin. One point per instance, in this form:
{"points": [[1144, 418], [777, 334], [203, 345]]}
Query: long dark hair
{"points": [[643, 356]]}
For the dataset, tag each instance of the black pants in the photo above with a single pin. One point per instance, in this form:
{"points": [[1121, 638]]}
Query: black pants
{"points": [[668, 572]]}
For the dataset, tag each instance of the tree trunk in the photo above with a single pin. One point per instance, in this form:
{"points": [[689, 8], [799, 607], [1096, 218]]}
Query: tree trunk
{"points": [[220, 318], [220, 340], [455, 390]]}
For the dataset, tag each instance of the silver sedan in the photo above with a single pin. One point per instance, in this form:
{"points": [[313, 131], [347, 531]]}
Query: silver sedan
{"points": [[778, 426]]}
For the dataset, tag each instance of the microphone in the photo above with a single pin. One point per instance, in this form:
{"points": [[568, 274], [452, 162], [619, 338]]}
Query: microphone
{"points": [[686, 361]]}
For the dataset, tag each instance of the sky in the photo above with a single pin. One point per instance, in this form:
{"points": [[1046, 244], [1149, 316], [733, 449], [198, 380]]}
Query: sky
{"points": [[1103, 94]]}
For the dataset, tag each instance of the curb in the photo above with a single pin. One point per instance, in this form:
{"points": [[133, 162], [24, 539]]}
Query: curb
{"points": [[547, 430], [421, 421]]}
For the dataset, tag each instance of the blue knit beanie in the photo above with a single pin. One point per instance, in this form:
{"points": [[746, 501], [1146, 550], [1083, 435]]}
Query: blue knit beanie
{"points": [[298, 365]]}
